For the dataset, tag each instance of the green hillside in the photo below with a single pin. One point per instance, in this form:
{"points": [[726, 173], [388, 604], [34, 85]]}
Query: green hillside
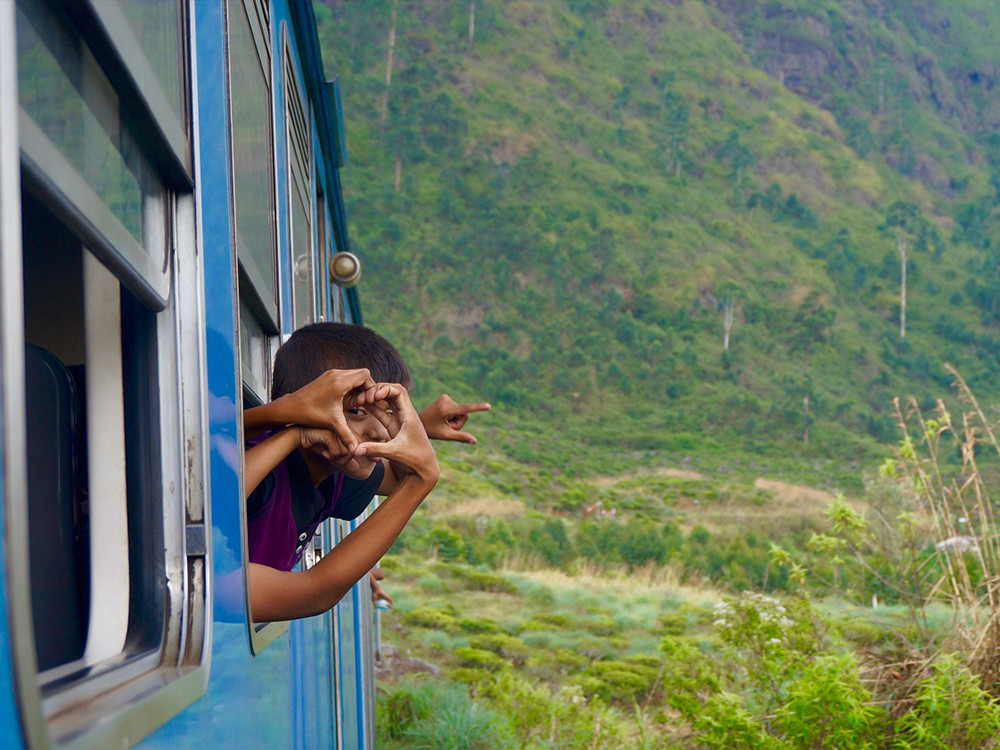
{"points": [[560, 210]]}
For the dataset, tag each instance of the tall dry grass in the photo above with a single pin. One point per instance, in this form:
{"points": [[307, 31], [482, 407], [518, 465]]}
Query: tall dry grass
{"points": [[958, 504]]}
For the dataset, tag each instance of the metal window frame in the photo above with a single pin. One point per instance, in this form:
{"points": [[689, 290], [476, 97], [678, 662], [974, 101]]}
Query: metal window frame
{"points": [[146, 274], [108, 32]]}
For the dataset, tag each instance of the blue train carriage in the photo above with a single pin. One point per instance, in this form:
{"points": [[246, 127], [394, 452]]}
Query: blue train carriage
{"points": [[170, 208]]}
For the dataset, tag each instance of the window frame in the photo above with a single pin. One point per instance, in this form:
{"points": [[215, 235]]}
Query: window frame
{"points": [[51, 172], [266, 313], [253, 292]]}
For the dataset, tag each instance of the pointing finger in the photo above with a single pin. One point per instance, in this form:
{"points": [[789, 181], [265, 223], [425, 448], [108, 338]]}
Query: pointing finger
{"points": [[469, 408]]}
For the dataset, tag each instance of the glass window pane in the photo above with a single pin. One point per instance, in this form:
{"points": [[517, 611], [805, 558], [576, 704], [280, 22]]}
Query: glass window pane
{"points": [[252, 172], [303, 260], [62, 88], [254, 353], [157, 25]]}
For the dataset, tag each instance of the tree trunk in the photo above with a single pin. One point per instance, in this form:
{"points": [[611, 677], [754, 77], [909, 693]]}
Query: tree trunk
{"points": [[903, 246], [389, 61], [728, 316], [805, 426], [398, 178], [472, 22]]}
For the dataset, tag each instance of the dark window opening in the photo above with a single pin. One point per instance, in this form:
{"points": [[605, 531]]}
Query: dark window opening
{"points": [[59, 485]]}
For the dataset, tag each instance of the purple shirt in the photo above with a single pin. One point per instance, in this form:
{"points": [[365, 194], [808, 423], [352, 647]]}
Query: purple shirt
{"points": [[284, 511]]}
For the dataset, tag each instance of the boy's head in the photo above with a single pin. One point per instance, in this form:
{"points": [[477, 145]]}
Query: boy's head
{"points": [[316, 348]]}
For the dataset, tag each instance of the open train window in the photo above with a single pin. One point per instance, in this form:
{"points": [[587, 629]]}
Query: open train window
{"points": [[103, 420]]}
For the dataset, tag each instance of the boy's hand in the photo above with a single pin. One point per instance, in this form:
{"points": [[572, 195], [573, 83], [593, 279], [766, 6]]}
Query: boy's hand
{"points": [[328, 445], [410, 449], [321, 402], [444, 419]]}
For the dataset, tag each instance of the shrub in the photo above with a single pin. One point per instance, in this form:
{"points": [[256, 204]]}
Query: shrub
{"points": [[828, 707], [621, 681], [543, 717], [547, 621], [558, 661], [430, 715], [600, 625], [447, 543], [672, 623], [504, 645], [951, 712], [479, 581], [725, 725], [478, 658], [431, 617], [473, 625]]}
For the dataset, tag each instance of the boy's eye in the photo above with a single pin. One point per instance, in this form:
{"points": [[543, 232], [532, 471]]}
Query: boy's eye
{"points": [[357, 412]]}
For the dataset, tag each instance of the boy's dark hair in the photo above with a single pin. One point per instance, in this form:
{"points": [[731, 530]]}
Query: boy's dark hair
{"points": [[316, 348]]}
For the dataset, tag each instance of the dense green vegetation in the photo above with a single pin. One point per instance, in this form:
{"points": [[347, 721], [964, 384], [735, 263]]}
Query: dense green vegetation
{"points": [[653, 631], [561, 213], [670, 242]]}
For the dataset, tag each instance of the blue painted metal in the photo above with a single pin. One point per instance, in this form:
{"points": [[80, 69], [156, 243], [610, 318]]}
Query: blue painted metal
{"points": [[281, 697], [10, 722]]}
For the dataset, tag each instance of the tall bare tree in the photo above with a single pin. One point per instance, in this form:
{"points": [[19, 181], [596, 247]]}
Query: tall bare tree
{"points": [[390, 60], [728, 317], [909, 230]]}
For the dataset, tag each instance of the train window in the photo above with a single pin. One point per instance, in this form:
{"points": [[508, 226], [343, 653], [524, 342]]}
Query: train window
{"points": [[253, 187], [156, 26], [77, 144], [108, 558], [299, 151]]}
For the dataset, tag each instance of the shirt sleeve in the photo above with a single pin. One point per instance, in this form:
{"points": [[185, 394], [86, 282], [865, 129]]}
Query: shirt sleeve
{"points": [[355, 494]]}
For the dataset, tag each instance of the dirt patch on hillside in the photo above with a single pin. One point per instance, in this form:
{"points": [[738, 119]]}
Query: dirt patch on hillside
{"points": [[664, 472], [793, 494], [491, 507]]}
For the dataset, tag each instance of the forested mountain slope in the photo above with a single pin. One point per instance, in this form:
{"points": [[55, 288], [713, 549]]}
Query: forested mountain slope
{"points": [[679, 225]]}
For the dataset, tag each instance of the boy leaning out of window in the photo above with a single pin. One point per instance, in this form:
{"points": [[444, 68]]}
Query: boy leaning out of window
{"points": [[340, 427]]}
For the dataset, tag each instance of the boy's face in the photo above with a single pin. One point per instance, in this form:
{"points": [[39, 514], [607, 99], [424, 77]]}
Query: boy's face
{"points": [[367, 428]]}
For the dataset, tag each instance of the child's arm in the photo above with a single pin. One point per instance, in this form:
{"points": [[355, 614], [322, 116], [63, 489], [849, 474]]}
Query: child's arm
{"points": [[318, 404], [444, 419], [259, 460], [283, 595]]}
